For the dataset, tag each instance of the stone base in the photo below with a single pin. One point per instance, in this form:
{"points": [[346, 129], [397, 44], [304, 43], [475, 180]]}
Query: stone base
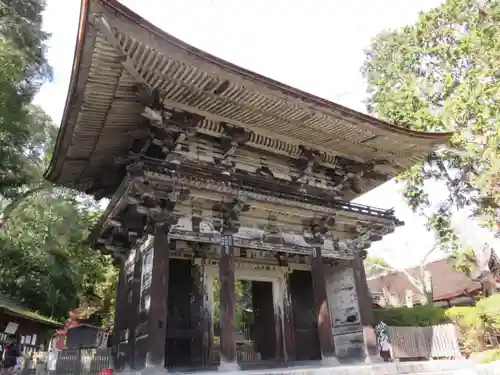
{"points": [[228, 366], [375, 359], [153, 370], [330, 362], [446, 367], [127, 371]]}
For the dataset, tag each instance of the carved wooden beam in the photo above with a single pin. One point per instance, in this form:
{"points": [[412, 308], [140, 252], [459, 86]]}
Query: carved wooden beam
{"points": [[172, 128], [157, 207], [196, 219], [136, 171], [226, 215], [368, 233], [272, 226], [272, 230], [173, 120], [354, 172], [119, 241], [308, 159], [147, 97], [232, 138], [318, 227]]}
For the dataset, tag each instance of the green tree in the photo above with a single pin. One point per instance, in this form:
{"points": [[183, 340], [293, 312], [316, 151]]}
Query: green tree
{"points": [[240, 290], [465, 262], [26, 133], [46, 261], [442, 74]]}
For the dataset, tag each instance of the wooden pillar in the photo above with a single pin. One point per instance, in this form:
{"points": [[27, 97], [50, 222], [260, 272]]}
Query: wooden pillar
{"points": [[288, 326], [208, 336], [228, 360], [133, 312], [227, 222], [197, 311], [277, 293], [157, 317], [280, 351], [365, 309], [120, 314], [321, 302]]}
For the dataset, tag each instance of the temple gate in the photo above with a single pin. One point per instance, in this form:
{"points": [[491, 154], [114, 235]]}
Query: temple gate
{"points": [[216, 173]]}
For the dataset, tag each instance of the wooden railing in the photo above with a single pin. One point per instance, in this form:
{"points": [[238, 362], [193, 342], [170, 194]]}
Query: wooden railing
{"points": [[434, 342], [68, 361], [83, 362]]}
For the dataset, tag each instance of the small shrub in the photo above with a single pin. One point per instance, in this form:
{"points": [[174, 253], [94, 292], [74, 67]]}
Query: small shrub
{"points": [[489, 310], [470, 325], [475, 321], [491, 356]]}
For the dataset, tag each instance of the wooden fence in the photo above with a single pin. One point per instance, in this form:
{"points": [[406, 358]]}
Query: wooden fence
{"points": [[84, 361], [67, 362], [435, 342]]}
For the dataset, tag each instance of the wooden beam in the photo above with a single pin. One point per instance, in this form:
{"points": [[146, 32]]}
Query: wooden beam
{"points": [[158, 310], [133, 312], [199, 348], [227, 222], [365, 309], [228, 360], [120, 315], [288, 324], [318, 228], [321, 303], [211, 186]]}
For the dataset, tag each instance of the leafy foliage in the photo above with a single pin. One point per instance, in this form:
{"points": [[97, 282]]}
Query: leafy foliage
{"points": [[441, 74], [418, 316], [465, 262], [46, 262], [475, 321], [25, 131], [243, 299], [491, 356]]}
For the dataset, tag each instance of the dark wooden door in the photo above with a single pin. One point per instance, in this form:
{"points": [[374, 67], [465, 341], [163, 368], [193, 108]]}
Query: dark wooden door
{"points": [[264, 320], [179, 330], [304, 316]]}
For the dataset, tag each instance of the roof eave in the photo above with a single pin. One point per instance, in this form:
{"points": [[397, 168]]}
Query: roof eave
{"points": [[288, 90], [41, 320], [83, 51], [51, 174], [456, 294]]}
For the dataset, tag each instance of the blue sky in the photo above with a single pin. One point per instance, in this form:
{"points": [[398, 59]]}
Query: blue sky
{"points": [[316, 46]]}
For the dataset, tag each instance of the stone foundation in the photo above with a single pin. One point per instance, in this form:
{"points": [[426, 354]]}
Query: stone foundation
{"points": [[458, 367]]}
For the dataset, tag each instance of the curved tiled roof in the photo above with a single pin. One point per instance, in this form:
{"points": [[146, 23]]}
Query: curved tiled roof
{"points": [[446, 281], [116, 49]]}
